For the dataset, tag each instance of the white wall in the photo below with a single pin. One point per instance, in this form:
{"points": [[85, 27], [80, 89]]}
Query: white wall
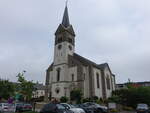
{"points": [[64, 89], [108, 91], [65, 80], [72, 70], [98, 91], [50, 76], [86, 82], [61, 55], [38, 93], [113, 82], [63, 72]]}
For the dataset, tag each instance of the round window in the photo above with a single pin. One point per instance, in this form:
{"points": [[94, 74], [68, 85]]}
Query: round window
{"points": [[57, 90]]}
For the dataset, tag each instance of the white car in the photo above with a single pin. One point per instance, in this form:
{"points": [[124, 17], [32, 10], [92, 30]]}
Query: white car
{"points": [[73, 108], [142, 108], [6, 107]]}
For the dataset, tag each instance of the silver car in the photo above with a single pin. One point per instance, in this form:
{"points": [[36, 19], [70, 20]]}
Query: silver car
{"points": [[73, 108], [6, 107], [142, 108]]}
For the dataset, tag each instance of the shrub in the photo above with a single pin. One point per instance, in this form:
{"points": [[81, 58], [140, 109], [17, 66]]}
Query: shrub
{"points": [[76, 95], [126, 108], [63, 99], [113, 110], [85, 100], [95, 98]]}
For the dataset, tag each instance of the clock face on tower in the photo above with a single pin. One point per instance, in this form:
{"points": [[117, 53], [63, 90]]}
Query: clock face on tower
{"points": [[70, 47], [59, 47]]}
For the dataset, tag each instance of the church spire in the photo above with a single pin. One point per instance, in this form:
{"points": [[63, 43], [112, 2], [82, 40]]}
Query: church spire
{"points": [[65, 26], [65, 20]]}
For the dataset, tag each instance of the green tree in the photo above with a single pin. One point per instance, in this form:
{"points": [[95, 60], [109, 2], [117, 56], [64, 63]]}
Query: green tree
{"points": [[25, 87], [132, 96], [7, 89], [115, 99], [64, 99], [76, 95]]}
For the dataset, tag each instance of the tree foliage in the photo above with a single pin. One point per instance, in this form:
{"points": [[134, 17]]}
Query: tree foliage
{"points": [[63, 99], [132, 96], [7, 89], [76, 95], [25, 87]]}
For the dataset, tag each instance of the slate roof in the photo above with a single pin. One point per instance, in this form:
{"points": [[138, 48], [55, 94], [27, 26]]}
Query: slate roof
{"points": [[39, 86], [65, 20], [87, 62], [50, 68]]}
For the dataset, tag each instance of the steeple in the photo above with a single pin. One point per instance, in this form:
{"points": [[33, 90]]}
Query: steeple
{"points": [[65, 26], [65, 21]]}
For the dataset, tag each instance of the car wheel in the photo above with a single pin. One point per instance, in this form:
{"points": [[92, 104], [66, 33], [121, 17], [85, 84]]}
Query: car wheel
{"points": [[100, 111]]}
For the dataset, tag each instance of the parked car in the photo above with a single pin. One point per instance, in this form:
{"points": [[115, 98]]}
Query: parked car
{"points": [[73, 108], [19, 107], [142, 108], [6, 107], [86, 108], [98, 108], [54, 108], [27, 107]]}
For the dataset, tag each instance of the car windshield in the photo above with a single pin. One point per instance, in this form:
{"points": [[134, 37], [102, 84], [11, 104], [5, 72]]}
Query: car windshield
{"points": [[19, 104], [84, 105], [7, 104], [142, 105], [72, 106], [27, 104]]}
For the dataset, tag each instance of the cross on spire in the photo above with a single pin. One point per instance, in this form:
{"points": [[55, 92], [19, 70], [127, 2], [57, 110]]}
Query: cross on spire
{"points": [[66, 2]]}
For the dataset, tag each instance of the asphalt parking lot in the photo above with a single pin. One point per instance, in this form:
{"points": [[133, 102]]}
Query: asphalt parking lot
{"points": [[127, 112]]}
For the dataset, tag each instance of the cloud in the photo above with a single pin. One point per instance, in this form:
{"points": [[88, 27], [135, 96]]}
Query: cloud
{"points": [[118, 33]]}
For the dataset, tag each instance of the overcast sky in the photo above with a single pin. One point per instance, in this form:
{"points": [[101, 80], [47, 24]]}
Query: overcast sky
{"points": [[112, 31]]}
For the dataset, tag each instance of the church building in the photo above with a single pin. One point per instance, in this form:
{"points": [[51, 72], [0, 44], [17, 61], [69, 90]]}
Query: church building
{"points": [[69, 70]]}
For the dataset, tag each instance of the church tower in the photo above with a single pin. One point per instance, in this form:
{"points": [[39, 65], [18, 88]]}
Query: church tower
{"points": [[64, 40], [64, 47]]}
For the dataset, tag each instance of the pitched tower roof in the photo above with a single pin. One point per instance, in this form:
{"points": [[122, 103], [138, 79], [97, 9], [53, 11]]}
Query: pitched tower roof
{"points": [[65, 26], [65, 20]]}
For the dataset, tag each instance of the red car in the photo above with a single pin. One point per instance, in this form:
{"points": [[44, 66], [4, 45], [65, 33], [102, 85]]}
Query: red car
{"points": [[27, 107]]}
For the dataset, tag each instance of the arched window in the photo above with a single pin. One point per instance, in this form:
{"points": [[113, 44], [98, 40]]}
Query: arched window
{"points": [[70, 40], [97, 77], [59, 39], [108, 82], [72, 77], [58, 74], [84, 76]]}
